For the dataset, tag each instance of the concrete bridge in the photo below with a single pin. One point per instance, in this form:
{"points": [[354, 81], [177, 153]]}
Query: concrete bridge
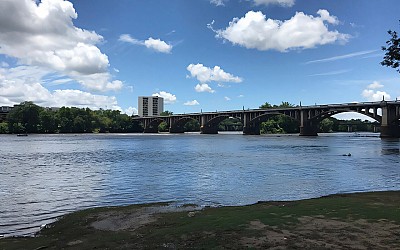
{"points": [[386, 113]]}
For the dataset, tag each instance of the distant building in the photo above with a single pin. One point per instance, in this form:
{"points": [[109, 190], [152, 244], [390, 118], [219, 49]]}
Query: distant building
{"points": [[150, 105], [4, 110]]}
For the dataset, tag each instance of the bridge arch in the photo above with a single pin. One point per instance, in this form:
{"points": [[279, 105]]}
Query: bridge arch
{"points": [[211, 126], [254, 125], [178, 125], [331, 113], [151, 126]]}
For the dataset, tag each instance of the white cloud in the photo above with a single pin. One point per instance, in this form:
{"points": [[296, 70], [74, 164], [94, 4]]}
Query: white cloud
{"points": [[191, 103], [23, 83], [285, 3], [168, 97], [227, 98], [255, 31], [43, 34], [375, 85], [374, 96], [130, 111], [218, 2], [350, 55], [240, 96], [151, 43], [371, 95], [128, 39], [205, 74], [331, 73], [203, 87]]}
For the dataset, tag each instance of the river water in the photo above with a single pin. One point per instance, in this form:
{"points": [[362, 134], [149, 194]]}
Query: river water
{"points": [[45, 176]]}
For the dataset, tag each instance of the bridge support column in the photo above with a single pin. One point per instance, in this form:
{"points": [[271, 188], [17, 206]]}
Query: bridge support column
{"points": [[207, 129], [307, 127], [251, 130], [248, 127], [390, 124]]}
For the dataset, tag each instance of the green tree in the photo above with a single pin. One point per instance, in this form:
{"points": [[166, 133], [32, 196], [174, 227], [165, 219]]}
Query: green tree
{"points": [[24, 118], [163, 127], [266, 105], [286, 105], [392, 49], [4, 128], [48, 122], [326, 125], [166, 113], [192, 126]]}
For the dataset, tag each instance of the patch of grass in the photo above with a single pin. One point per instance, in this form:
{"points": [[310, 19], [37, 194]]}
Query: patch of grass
{"points": [[212, 227]]}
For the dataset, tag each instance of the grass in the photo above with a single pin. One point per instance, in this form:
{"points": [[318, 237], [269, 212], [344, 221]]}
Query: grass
{"points": [[280, 224]]}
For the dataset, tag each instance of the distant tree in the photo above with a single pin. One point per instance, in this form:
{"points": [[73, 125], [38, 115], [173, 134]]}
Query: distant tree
{"points": [[4, 128], [266, 105], [192, 125], [326, 125], [166, 113], [286, 105], [24, 118], [48, 122], [392, 48], [163, 127]]}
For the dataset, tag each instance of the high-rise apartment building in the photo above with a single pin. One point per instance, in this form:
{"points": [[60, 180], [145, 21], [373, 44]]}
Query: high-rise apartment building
{"points": [[150, 105]]}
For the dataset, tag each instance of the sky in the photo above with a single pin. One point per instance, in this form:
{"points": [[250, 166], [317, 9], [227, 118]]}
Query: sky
{"points": [[200, 55]]}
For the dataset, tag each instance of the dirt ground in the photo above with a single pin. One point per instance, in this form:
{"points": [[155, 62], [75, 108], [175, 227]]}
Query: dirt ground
{"points": [[343, 221], [315, 232]]}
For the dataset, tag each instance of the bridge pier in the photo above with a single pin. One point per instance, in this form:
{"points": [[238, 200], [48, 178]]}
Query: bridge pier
{"points": [[251, 130], [308, 131], [390, 121], [308, 127], [208, 130], [391, 131]]}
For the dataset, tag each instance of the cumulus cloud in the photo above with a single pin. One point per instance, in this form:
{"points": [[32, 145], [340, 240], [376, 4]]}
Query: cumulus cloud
{"points": [[43, 34], [203, 87], [23, 83], [168, 97], [373, 95], [191, 103], [375, 85], [151, 43], [285, 3], [255, 31], [130, 111], [206, 74]]}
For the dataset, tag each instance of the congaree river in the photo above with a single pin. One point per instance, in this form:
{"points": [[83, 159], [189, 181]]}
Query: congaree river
{"points": [[45, 176]]}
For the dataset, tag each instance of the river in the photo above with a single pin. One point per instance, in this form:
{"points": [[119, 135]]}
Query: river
{"points": [[45, 176]]}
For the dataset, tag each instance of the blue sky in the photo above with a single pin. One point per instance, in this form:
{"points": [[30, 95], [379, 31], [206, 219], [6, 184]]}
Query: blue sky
{"points": [[199, 54]]}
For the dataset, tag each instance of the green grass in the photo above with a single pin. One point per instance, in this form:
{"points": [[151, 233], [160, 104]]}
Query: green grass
{"points": [[210, 227]]}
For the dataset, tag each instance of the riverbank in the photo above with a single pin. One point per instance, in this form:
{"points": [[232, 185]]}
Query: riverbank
{"points": [[343, 221]]}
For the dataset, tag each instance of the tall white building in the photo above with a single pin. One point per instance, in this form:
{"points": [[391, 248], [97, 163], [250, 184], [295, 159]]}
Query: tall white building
{"points": [[150, 105]]}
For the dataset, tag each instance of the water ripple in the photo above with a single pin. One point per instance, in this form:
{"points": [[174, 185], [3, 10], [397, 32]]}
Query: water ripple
{"points": [[46, 176]]}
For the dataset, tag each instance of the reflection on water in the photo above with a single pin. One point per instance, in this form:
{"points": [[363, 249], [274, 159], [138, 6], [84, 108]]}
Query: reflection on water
{"points": [[45, 176]]}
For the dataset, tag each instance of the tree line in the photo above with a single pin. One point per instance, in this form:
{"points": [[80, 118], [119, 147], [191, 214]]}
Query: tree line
{"points": [[28, 117]]}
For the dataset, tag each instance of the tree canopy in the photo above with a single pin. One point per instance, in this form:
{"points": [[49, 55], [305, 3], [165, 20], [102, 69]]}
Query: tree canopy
{"points": [[392, 48], [28, 117]]}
